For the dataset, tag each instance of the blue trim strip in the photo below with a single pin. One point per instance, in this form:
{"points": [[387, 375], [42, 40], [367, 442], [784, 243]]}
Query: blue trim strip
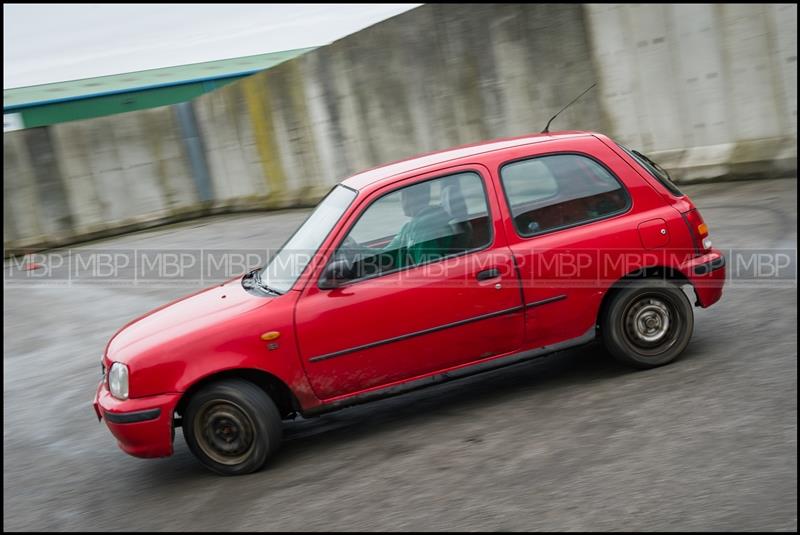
{"points": [[35, 103], [193, 142]]}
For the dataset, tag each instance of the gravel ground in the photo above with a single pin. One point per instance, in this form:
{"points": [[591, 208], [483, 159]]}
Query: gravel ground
{"points": [[572, 441]]}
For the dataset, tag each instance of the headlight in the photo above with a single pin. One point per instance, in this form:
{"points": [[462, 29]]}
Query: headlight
{"points": [[118, 380]]}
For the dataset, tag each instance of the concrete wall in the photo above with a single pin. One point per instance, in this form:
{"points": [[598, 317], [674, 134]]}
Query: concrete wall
{"points": [[84, 178], [709, 90]]}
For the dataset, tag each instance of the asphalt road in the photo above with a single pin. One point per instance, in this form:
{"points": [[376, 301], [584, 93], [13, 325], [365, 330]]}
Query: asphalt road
{"points": [[573, 441]]}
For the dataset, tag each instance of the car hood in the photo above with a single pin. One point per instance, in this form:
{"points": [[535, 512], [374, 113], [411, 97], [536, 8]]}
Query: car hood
{"points": [[188, 316]]}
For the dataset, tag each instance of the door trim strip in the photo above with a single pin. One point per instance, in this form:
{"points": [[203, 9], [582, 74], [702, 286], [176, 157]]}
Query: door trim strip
{"points": [[448, 375], [416, 333], [545, 301]]}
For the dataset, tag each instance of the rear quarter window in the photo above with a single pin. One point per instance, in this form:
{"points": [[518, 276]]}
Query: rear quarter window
{"points": [[547, 193]]}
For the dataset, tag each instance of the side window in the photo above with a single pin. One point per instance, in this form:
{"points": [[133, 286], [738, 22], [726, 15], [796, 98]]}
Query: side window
{"points": [[529, 182], [560, 190], [417, 224]]}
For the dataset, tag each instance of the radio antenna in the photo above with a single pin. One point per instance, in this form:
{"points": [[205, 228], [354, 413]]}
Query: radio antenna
{"points": [[547, 128]]}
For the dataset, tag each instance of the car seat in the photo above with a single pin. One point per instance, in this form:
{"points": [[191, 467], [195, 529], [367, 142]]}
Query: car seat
{"points": [[455, 205]]}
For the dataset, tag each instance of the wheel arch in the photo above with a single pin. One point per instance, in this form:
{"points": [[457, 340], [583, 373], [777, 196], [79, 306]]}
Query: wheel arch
{"points": [[276, 389], [664, 273]]}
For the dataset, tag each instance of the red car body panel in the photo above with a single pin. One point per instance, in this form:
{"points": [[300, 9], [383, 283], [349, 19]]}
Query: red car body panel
{"points": [[151, 438], [381, 309], [412, 327]]}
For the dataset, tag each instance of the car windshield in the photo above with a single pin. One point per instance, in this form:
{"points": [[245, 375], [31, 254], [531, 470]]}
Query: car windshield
{"points": [[285, 267]]}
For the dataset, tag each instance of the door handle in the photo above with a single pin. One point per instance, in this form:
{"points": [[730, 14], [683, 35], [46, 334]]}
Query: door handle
{"points": [[487, 274]]}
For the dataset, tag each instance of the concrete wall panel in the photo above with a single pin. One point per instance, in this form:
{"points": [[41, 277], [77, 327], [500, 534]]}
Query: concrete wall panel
{"points": [[708, 90]]}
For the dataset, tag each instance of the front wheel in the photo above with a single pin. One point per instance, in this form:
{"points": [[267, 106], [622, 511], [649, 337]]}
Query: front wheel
{"points": [[232, 427], [647, 323]]}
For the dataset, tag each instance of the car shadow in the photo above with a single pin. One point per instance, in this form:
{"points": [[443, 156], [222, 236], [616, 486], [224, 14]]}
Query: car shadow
{"points": [[565, 369], [303, 437]]}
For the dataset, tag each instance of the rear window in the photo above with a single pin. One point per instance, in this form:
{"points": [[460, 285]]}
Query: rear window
{"points": [[658, 172]]}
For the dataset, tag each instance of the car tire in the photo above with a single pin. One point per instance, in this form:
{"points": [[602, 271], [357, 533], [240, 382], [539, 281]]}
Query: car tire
{"points": [[232, 427], [647, 323]]}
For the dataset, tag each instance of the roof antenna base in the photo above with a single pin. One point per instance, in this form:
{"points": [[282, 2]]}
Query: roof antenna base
{"points": [[547, 128]]}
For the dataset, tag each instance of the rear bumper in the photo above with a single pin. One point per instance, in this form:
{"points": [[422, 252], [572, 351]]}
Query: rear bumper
{"points": [[711, 265], [707, 275], [143, 426]]}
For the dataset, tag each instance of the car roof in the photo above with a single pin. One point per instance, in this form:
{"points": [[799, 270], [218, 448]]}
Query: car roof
{"points": [[384, 173]]}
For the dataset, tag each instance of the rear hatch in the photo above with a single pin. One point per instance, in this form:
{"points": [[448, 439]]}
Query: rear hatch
{"points": [[680, 201]]}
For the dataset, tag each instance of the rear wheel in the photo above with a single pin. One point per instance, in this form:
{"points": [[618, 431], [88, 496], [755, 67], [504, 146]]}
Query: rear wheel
{"points": [[647, 323], [232, 427]]}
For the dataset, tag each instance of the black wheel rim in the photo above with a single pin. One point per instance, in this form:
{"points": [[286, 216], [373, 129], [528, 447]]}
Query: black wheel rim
{"points": [[224, 432], [651, 324]]}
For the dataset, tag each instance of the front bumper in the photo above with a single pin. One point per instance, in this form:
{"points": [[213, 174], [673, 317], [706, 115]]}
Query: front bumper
{"points": [[143, 426], [707, 275]]}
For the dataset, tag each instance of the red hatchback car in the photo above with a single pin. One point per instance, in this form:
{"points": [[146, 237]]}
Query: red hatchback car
{"points": [[413, 273]]}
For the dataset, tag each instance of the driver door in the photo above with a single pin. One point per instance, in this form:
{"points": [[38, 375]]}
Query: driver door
{"points": [[458, 303]]}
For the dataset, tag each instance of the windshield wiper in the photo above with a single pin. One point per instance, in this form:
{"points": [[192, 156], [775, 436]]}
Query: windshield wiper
{"points": [[257, 276]]}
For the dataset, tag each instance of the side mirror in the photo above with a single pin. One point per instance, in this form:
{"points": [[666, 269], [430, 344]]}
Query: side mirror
{"points": [[334, 274]]}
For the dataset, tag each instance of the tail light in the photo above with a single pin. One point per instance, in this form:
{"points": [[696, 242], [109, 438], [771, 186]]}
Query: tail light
{"points": [[699, 231]]}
